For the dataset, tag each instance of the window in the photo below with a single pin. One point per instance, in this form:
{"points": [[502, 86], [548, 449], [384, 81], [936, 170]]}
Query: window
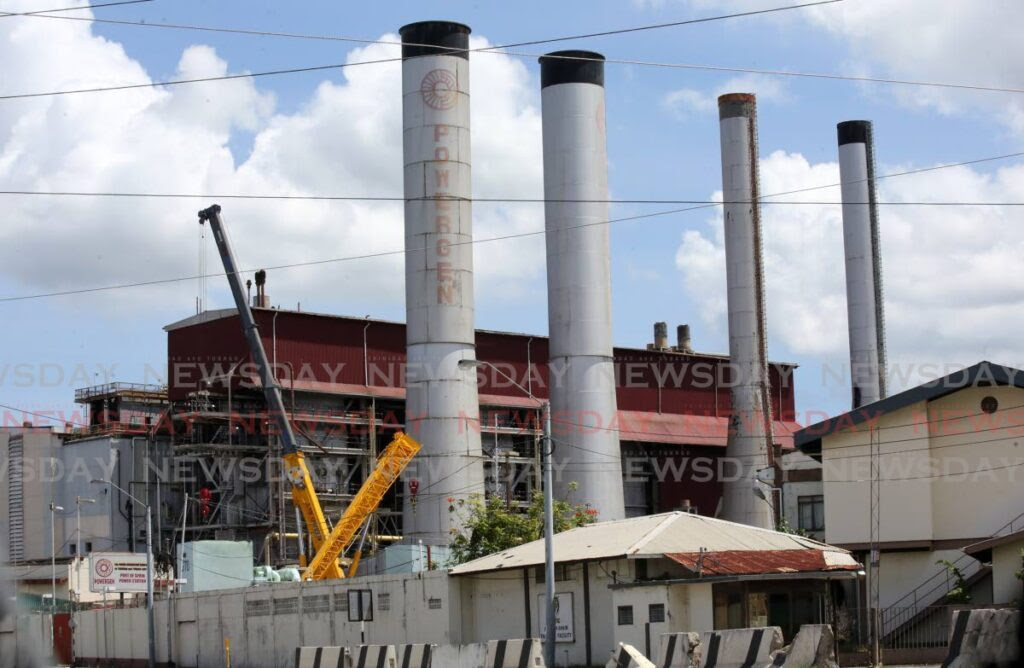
{"points": [[625, 615], [656, 613], [812, 512], [434, 604], [360, 605]]}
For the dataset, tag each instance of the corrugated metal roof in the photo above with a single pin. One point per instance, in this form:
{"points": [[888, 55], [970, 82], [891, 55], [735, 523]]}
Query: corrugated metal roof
{"points": [[651, 536], [750, 562]]}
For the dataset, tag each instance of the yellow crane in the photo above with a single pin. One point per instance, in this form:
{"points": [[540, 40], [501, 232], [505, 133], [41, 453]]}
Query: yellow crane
{"points": [[390, 465], [328, 547]]}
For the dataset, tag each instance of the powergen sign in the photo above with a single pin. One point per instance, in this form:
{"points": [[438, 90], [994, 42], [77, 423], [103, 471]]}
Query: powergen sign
{"points": [[117, 572]]}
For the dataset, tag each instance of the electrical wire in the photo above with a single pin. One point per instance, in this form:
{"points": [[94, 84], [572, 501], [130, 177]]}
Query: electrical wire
{"points": [[487, 200], [43, 416], [498, 49], [41, 12], [520, 235], [936, 476], [335, 38]]}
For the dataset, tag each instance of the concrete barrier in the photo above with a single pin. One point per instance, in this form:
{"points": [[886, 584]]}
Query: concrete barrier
{"points": [[740, 648], [519, 653], [984, 637], [680, 650], [460, 656], [415, 656], [372, 656], [319, 657], [812, 647], [627, 656]]}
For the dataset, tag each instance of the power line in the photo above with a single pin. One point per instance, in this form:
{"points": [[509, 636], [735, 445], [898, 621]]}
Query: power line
{"points": [[41, 12], [43, 416], [336, 38], [938, 475], [484, 200], [497, 49], [519, 235]]}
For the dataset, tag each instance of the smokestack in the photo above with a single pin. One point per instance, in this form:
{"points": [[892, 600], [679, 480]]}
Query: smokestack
{"points": [[579, 279], [660, 336], [441, 399], [865, 310], [750, 435], [261, 300], [683, 343]]}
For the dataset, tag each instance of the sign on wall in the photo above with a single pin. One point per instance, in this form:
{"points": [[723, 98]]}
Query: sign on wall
{"points": [[564, 628], [117, 572]]}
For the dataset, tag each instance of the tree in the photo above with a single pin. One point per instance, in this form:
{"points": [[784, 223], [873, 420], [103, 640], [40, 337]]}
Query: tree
{"points": [[489, 526]]}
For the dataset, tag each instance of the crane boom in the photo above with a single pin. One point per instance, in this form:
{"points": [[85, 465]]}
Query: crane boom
{"points": [[390, 465], [303, 495]]}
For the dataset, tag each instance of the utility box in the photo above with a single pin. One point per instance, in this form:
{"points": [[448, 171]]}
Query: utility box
{"points": [[205, 565]]}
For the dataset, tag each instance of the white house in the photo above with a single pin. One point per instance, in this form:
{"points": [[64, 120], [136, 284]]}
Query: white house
{"points": [[949, 465]]}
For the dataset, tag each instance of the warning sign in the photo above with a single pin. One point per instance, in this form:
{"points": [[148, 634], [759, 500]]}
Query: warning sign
{"points": [[117, 572]]}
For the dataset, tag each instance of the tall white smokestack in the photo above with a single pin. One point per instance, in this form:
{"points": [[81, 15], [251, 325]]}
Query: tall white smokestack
{"points": [[863, 262], [579, 280], [749, 445], [442, 406]]}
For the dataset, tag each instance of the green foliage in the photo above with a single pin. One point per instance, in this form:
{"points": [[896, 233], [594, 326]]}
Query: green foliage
{"points": [[959, 593], [489, 526], [785, 527], [1020, 574]]}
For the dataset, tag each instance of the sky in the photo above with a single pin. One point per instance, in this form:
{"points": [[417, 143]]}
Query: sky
{"points": [[952, 296]]}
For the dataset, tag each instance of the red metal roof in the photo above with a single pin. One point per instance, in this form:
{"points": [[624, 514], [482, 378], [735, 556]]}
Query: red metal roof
{"points": [[753, 562]]}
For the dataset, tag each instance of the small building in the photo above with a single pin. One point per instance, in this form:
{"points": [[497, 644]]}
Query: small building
{"points": [[632, 580], [803, 494], [948, 464]]}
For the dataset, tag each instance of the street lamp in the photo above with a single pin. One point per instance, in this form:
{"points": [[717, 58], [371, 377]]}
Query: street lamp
{"points": [[549, 514], [53, 566], [149, 568]]}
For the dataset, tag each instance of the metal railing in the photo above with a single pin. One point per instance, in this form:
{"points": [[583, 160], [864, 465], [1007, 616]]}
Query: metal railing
{"points": [[113, 388], [935, 588]]}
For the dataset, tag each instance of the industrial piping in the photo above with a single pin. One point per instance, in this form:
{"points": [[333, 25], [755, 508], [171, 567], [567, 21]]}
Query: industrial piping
{"points": [[582, 388], [749, 447], [442, 405], [864, 304]]}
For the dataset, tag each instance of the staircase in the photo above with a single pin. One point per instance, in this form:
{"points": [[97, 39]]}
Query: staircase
{"points": [[909, 609]]}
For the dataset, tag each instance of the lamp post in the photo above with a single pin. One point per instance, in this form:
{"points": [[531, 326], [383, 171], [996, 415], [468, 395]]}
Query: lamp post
{"points": [[549, 514], [149, 569], [53, 566]]}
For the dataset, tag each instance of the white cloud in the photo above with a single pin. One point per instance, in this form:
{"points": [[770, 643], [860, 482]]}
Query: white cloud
{"points": [[949, 272], [686, 102], [345, 140]]}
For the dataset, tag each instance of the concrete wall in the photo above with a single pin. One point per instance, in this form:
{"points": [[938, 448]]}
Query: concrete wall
{"points": [[495, 607], [1006, 561], [23, 640], [265, 624]]}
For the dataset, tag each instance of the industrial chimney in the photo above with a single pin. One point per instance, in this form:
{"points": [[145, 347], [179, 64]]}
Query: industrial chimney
{"points": [[442, 406], [683, 342], [750, 437], [661, 336], [579, 279], [863, 262]]}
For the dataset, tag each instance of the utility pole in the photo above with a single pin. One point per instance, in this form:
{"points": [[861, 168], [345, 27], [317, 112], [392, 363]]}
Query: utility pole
{"points": [[549, 514], [53, 568], [549, 547]]}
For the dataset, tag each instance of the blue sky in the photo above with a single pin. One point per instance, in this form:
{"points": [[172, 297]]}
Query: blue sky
{"points": [[663, 268]]}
